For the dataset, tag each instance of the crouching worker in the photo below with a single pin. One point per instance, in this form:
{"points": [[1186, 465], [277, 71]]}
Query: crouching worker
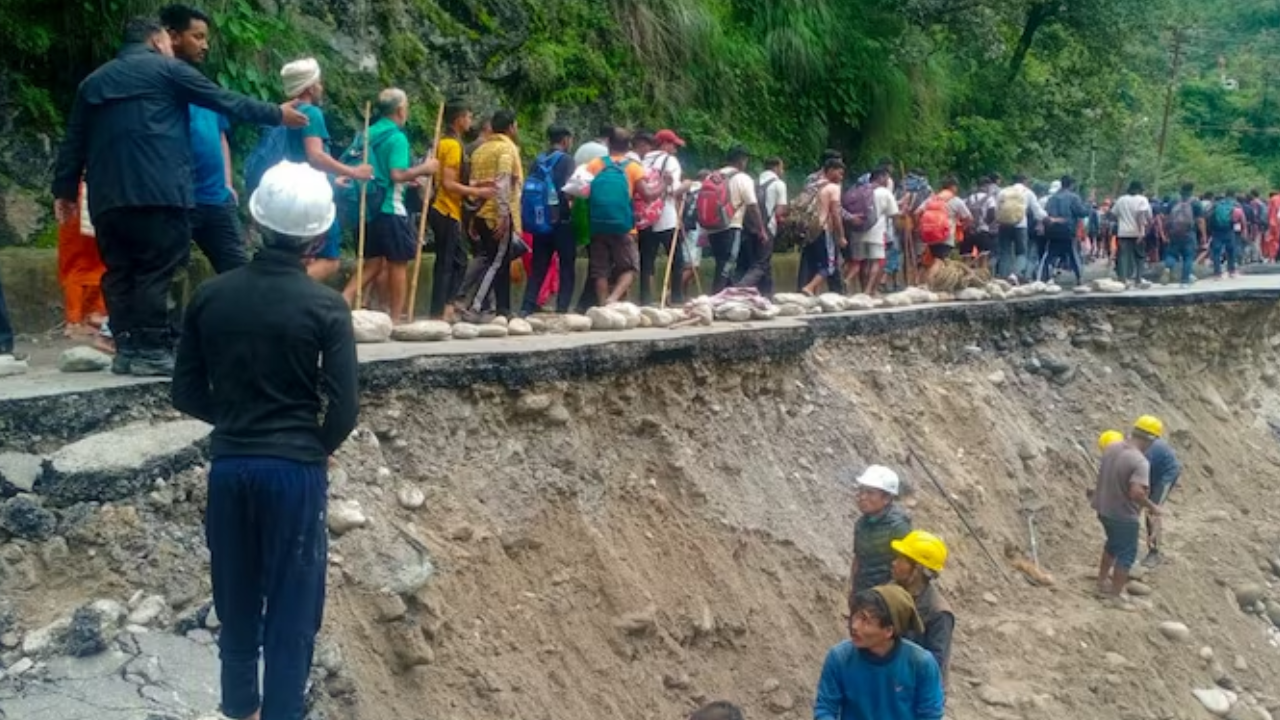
{"points": [[921, 557], [267, 357], [877, 674]]}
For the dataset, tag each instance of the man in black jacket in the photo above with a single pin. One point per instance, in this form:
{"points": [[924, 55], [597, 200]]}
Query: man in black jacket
{"points": [[268, 356], [128, 131]]}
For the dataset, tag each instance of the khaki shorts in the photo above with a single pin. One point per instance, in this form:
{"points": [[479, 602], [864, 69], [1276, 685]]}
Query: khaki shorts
{"points": [[867, 251], [608, 256]]}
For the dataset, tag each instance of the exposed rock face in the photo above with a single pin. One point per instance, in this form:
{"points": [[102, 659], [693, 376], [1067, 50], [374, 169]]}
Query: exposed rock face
{"points": [[121, 463]]}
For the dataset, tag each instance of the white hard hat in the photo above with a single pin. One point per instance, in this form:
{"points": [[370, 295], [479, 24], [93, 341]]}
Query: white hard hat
{"points": [[880, 478], [294, 199]]}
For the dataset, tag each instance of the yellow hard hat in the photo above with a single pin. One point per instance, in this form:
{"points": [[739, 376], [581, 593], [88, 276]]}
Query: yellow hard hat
{"points": [[1151, 425], [922, 548], [1109, 438]]}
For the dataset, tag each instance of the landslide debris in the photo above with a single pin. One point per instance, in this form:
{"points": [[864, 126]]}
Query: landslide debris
{"points": [[634, 544]]}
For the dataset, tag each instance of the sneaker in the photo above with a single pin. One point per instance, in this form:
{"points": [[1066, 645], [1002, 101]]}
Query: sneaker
{"points": [[1144, 285], [151, 363], [1152, 559]]}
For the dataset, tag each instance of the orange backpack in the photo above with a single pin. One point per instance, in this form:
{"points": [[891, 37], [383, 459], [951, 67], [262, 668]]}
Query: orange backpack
{"points": [[935, 221]]}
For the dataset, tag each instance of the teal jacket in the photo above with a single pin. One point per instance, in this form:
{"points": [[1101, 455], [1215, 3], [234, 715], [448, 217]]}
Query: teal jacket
{"points": [[856, 685]]}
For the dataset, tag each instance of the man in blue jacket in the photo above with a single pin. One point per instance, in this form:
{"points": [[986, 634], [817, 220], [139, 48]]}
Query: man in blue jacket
{"points": [[876, 675]]}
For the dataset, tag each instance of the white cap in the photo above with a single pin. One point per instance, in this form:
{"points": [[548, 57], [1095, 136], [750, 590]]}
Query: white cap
{"points": [[1054, 187], [880, 478], [299, 75], [294, 199]]}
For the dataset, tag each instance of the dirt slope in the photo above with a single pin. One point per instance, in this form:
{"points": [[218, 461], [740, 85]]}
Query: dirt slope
{"points": [[629, 547]]}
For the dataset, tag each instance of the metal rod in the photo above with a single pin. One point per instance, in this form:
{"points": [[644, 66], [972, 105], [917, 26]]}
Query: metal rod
{"points": [[968, 526]]}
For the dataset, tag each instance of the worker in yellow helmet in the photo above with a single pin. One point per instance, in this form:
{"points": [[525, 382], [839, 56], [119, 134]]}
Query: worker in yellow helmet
{"points": [[1109, 438], [1165, 472], [920, 557], [1119, 498]]}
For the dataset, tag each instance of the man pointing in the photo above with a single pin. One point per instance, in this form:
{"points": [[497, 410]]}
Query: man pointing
{"points": [[129, 132]]}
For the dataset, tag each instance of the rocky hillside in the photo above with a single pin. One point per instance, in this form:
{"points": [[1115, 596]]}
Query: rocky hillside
{"points": [[633, 543]]}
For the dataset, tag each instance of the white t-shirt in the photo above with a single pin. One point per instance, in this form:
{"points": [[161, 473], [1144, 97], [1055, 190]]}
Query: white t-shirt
{"points": [[1129, 209], [886, 209], [775, 196], [742, 193], [670, 167]]}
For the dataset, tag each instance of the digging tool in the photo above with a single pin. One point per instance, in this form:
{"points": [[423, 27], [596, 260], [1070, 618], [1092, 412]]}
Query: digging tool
{"points": [[1031, 532], [364, 200], [422, 221], [963, 518], [671, 253]]}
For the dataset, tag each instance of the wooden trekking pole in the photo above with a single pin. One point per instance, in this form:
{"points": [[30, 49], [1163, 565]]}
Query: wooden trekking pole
{"points": [[671, 253], [364, 199], [422, 221]]}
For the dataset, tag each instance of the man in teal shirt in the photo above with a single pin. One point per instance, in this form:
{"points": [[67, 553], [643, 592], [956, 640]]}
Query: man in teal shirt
{"points": [[215, 224], [310, 145], [876, 675], [391, 242]]}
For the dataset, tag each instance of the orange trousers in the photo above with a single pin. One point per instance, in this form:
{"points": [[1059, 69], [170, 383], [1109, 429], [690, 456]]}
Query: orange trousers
{"points": [[80, 272]]}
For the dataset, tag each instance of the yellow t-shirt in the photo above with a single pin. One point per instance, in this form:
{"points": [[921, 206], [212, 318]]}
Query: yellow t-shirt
{"points": [[499, 157], [449, 154]]}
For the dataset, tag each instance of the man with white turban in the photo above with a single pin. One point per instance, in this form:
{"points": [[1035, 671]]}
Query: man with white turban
{"points": [[302, 84]]}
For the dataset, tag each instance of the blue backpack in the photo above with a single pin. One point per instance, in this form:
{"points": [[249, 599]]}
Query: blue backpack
{"points": [[1223, 215], [540, 199], [269, 152], [610, 200]]}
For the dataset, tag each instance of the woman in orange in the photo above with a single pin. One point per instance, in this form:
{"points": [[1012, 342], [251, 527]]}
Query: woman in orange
{"points": [[80, 272]]}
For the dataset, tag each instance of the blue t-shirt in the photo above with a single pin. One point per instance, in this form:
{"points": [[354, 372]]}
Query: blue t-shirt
{"points": [[856, 685], [1165, 468], [295, 150], [207, 164]]}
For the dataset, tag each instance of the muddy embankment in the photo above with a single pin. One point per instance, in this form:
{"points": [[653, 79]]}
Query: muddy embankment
{"points": [[597, 536]]}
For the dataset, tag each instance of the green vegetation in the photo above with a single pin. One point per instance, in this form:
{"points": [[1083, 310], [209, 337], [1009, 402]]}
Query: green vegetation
{"points": [[963, 86]]}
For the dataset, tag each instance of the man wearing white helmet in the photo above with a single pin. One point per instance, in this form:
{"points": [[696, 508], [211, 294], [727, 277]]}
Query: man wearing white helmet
{"points": [[280, 351], [882, 522]]}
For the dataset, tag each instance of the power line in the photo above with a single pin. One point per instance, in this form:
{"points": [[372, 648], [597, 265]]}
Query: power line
{"points": [[1168, 107]]}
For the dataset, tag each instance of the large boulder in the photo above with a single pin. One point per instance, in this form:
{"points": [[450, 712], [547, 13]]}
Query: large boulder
{"points": [[606, 319], [492, 330], [19, 472], [371, 327], [576, 323], [121, 463], [422, 331]]}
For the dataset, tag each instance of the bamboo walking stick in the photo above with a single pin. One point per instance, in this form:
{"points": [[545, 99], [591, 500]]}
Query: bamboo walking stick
{"points": [[422, 221], [671, 253], [364, 199]]}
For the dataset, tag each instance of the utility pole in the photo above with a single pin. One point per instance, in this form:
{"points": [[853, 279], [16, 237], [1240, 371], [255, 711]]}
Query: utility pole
{"points": [[1168, 108]]}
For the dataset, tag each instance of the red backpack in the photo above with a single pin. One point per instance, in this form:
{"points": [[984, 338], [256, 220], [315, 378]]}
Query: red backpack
{"points": [[935, 222], [715, 207], [651, 196]]}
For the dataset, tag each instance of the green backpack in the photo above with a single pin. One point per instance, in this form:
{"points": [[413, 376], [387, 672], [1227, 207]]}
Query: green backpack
{"points": [[610, 200]]}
